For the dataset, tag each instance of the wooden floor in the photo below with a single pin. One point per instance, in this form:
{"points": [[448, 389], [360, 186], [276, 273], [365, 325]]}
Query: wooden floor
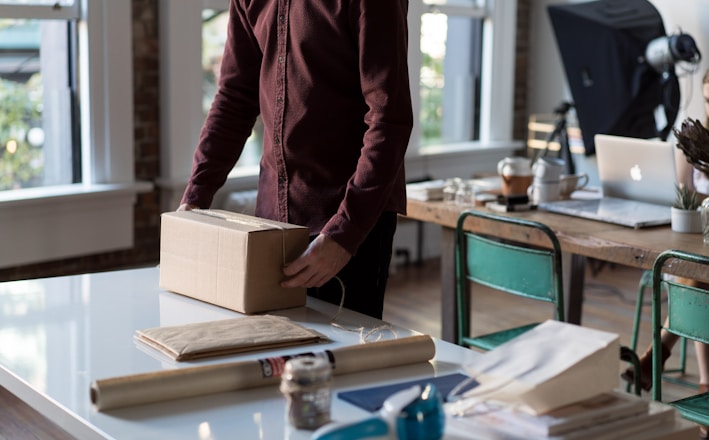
{"points": [[413, 301]]}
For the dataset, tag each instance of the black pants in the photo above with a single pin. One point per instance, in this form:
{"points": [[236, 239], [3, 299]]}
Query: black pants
{"points": [[365, 275]]}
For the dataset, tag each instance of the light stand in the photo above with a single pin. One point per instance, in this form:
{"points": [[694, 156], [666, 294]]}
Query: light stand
{"points": [[561, 134]]}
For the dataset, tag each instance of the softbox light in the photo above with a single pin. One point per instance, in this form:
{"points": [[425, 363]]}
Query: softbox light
{"points": [[615, 91]]}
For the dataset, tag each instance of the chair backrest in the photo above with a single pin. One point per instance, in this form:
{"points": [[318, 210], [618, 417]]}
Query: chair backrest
{"points": [[511, 266], [687, 309]]}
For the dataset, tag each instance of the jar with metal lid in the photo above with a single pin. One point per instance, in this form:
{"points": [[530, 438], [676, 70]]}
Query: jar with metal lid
{"points": [[307, 384]]}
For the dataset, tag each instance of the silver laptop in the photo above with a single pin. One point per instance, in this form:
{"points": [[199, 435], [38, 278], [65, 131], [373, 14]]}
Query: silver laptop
{"points": [[637, 179]]}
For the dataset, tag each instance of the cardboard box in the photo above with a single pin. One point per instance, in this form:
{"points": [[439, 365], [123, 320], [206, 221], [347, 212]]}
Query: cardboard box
{"points": [[230, 260]]}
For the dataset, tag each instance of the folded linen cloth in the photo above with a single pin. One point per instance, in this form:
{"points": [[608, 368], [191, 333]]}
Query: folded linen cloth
{"points": [[227, 336]]}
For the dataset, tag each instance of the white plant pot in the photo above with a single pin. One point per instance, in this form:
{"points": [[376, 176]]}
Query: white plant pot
{"points": [[684, 220]]}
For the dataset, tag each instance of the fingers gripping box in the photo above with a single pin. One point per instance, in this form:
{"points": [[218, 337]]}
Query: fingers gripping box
{"points": [[231, 260]]}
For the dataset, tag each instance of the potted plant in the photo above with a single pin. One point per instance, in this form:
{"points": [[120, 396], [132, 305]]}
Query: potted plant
{"points": [[686, 216]]}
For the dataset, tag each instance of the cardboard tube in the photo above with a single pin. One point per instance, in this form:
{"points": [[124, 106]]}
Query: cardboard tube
{"points": [[179, 383]]}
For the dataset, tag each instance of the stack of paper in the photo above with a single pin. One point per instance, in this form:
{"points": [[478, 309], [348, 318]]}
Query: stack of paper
{"points": [[608, 416], [428, 190]]}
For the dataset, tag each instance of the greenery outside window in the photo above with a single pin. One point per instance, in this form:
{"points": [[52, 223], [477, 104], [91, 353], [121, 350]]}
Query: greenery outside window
{"points": [[39, 144]]}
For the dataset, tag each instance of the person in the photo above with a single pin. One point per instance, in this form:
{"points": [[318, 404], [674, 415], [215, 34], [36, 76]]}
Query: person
{"points": [[330, 82], [699, 182]]}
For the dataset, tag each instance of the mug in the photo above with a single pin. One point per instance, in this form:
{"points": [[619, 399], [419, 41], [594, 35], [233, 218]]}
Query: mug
{"points": [[541, 192], [572, 182], [516, 175], [514, 166], [548, 169], [516, 185]]}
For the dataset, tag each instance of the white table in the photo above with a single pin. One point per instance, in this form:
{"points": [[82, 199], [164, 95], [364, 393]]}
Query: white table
{"points": [[60, 334]]}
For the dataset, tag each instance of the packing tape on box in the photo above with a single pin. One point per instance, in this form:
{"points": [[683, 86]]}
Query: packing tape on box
{"points": [[180, 383], [252, 221]]}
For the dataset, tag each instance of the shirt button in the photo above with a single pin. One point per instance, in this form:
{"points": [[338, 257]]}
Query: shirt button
{"points": [[277, 140], [279, 100], [280, 60], [282, 18]]}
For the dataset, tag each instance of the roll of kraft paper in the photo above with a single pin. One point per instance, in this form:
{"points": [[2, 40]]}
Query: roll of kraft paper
{"points": [[160, 386]]}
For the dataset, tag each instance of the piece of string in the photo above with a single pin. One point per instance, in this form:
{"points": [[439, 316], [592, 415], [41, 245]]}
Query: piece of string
{"points": [[372, 335]]}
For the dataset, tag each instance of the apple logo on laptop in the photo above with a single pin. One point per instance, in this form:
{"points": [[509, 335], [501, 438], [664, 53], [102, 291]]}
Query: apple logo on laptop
{"points": [[636, 173]]}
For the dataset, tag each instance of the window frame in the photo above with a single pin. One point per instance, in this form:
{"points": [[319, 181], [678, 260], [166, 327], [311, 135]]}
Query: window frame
{"points": [[96, 215]]}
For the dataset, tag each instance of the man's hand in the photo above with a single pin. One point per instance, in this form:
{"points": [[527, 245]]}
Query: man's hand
{"points": [[320, 262]]}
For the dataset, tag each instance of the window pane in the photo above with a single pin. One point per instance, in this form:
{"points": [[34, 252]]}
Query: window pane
{"points": [[35, 125], [449, 85], [214, 28]]}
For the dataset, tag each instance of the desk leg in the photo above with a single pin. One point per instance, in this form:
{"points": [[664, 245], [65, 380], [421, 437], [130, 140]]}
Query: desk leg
{"points": [[575, 271], [449, 309]]}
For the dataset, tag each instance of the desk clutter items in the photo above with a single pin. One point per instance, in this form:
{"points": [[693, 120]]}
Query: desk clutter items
{"points": [[610, 416], [372, 398], [552, 365], [426, 190], [413, 413], [230, 260], [227, 336], [178, 383], [510, 204], [556, 381]]}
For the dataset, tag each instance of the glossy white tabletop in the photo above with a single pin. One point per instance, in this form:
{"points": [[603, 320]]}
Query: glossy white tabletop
{"points": [[60, 334]]}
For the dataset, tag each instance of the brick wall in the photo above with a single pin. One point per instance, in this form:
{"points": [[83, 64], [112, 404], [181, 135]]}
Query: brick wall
{"points": [[147, 147]]}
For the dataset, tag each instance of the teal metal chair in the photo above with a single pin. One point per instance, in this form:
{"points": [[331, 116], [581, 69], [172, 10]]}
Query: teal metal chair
{"points": [[673, 375], [688, 317], [512, 267]]}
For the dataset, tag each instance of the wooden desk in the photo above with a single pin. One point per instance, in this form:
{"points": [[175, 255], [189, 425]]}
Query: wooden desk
{"points": [[579, 237]]}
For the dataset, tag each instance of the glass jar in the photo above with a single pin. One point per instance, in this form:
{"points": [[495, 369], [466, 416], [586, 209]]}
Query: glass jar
{"points": [[465, 196], [450, 189], [307, 384], [705, 220]]}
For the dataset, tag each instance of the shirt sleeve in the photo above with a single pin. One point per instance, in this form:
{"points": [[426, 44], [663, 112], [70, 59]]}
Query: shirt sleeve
{"points": [[382, 37]]}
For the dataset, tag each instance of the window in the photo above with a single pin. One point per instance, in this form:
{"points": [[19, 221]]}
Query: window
{"points": [[449, 78], [37, 71], [214, 25], [79, 196]]}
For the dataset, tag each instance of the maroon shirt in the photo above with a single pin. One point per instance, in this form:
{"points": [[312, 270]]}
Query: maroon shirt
{"points": [[330, 80]]}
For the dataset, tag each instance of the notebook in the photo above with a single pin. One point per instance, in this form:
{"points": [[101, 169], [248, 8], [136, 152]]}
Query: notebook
{"points": [[637, 179]]}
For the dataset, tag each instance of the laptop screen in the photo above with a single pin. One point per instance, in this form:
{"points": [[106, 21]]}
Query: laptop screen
{"points": [[636, 169]]}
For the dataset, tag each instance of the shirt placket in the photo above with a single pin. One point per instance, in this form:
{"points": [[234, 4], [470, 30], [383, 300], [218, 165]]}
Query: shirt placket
{"points": [[279, 116]]}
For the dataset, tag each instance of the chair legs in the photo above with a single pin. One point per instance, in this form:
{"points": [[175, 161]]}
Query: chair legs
{"points": [[646, 283]]}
